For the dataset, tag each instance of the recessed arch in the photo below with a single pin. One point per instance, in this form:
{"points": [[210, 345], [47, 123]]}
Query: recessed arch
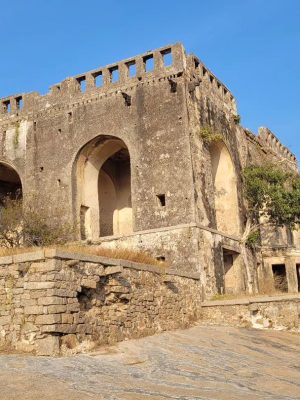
{"points": [[10, 182], [103, 178], [225, 189]]}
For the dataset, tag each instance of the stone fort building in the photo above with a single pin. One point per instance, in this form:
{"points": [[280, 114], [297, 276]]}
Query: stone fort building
{"points": [[118, 152]]}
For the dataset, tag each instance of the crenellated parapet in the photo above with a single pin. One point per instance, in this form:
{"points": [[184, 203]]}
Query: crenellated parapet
{"points": [[211, 83], [168, 60], [268, 140]]}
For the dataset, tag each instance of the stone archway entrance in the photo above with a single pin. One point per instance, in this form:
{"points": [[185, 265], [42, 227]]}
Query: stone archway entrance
{"points": [[104, 188]]}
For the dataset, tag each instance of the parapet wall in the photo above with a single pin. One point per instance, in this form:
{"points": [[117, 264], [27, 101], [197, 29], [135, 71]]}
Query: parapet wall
{"points": [[53, 302], [166, 60], [268, 140]]}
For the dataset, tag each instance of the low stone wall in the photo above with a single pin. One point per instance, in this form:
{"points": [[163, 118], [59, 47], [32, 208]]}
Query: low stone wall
{"points": [[277, 312], [53, 302]]}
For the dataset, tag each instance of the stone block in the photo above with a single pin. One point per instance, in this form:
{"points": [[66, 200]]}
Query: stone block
{"points": [[112, 270], [5, 320], [39, 285], [25, 257], [6, 260], [48, 319], [47, 266], [51, 300], [49, 346], [67, 318], [33, 310], [57, 308], [89, 283]]}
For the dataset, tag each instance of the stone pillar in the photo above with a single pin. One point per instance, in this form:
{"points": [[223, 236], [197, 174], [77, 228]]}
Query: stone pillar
{"points": [[291, 274]]}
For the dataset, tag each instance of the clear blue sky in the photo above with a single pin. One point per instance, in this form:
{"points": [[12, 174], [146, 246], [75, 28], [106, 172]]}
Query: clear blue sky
{"points": [[253, 46]]}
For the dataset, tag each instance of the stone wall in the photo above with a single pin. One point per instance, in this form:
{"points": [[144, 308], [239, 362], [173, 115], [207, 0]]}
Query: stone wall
{"points": [[277, 312], [53, 302]]}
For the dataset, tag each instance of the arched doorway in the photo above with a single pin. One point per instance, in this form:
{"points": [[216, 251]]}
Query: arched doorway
{"points": [[104, 188], [10, 183], [225, 189]]}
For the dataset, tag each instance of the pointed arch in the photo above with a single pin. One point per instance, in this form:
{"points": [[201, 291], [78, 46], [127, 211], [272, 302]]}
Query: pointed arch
{"points": [[225, 189], [103, 177]]}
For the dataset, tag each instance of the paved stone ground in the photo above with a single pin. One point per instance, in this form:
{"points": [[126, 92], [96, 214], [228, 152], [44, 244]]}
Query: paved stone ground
{"points": [[204, 362]]}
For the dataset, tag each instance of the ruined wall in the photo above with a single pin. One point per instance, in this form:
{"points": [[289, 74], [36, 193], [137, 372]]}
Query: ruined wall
{"points": [[52, 301], [280, 312]]}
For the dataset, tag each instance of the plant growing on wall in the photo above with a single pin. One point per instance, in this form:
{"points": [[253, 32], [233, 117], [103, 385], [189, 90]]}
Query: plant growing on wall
{"points": [[209, 134]]}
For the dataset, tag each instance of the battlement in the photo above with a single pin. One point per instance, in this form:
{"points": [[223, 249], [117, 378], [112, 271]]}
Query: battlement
{"points": [[169, 59], [267, 139], [211, 81]]}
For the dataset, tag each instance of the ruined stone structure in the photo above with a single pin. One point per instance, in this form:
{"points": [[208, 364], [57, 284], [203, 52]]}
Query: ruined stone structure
{"points": [[119, 152], [54, 302]]}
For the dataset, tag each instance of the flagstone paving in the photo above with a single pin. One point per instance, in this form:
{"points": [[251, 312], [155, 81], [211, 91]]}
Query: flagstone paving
{"points": [[203, 362]]}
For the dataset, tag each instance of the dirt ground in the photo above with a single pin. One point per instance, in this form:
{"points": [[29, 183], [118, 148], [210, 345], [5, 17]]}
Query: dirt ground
{"points": [[203, 362]]}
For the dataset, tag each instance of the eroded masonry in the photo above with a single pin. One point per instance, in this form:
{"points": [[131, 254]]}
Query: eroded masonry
{"points": [[118, 153]]}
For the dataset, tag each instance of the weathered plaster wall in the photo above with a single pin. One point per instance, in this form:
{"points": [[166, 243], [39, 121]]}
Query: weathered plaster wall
{"points": [[52, 301]]}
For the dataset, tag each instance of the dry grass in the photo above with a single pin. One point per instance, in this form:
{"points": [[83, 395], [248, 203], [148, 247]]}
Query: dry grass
{"points": [[122, 254]]}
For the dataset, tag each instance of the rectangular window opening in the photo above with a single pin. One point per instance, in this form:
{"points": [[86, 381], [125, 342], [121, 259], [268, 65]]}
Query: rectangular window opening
{"points": [[280, 279], [114, 74], [131, 69], [19, 103], [98, 79], [149, 63], [6, 106], [167, 57], [196, 63], [70, 116], [298, 275], [82, 83], [161, 199]]}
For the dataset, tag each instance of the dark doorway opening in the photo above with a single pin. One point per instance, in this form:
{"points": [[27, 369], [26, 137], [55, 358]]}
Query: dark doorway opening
{"points": [[230, 271], [280, 279], [298, 275]]}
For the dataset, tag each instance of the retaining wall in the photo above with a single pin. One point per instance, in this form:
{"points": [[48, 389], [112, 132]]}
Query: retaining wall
{"points": [[276, 312], [53, 302]]}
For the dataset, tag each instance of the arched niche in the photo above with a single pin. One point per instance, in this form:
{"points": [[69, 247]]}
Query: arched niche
{"points": [[104, 188], [225, 189], [10, 183]]}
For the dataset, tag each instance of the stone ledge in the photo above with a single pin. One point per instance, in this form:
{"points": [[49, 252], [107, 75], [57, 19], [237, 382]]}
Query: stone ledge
{"points": [[106, 261], [25, 257], [254, 300], [6, 260]]}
